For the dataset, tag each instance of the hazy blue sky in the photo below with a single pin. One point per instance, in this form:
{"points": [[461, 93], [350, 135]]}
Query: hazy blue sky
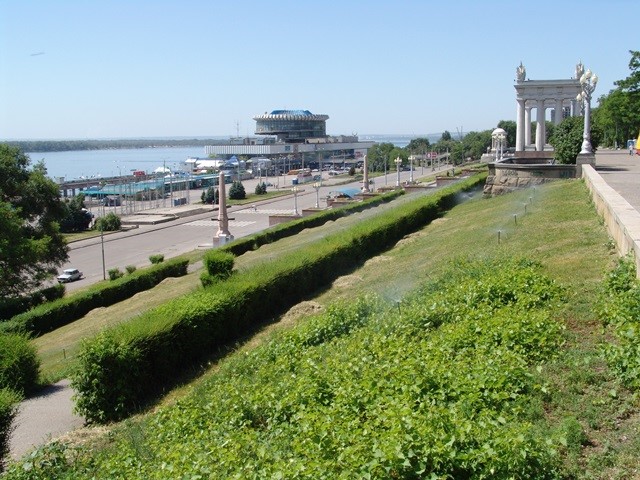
{"points": [[89, 69]]}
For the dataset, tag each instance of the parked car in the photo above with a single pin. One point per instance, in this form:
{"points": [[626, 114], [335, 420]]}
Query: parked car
{"points": [[69, 275]]}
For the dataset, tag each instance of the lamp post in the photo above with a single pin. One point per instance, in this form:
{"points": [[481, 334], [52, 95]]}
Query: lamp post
{"points": [[398, 162], [317, 186], [411, 172], [588, 83], [295, 191], [104, 270], [386, 159]]}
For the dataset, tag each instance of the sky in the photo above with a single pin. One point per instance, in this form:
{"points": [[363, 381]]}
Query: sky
{"points": [[187, 68]]}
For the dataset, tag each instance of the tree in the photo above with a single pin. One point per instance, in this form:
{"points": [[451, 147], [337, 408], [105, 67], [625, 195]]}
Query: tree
{"points": [[446, 136], [210, 197], [378, 157], [236, 191], [618, 112], [419, 145], [31, 246], [510, 127], [261, 188], [77, 218]]}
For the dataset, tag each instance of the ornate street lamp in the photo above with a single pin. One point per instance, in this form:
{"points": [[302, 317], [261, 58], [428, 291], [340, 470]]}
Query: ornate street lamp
{"points": [[588, 83], [398, 162]]}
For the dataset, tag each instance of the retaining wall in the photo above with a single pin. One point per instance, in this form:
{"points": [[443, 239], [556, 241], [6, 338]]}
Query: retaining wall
{"points": [[621, 219]]}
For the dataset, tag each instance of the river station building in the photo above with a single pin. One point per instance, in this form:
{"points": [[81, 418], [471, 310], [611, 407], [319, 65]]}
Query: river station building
{"points": [[293, 139]]}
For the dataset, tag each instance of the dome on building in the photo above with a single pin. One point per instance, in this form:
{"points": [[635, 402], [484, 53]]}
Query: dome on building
{"points": [[498, 131], [291, 125]]}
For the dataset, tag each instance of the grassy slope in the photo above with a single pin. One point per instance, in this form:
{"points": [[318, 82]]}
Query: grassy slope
{"points": [[561, 230]]}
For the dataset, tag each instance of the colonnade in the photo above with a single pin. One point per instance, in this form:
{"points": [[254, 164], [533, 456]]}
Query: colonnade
{"points": [[540, 95]]}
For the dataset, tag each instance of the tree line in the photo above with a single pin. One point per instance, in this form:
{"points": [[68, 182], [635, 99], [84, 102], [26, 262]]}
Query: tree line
{"points": [[69, 145]]}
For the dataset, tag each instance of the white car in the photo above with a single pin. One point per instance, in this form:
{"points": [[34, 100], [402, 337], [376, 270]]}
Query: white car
{"points": [[69, 275]]}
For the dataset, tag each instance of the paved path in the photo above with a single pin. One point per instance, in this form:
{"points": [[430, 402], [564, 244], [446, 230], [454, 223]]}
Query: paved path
{"points": [[45, 417], [621, 171], [49, 415]]}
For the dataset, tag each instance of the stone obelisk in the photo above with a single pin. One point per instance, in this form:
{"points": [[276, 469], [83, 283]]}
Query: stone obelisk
{"points": [[223, 236]]}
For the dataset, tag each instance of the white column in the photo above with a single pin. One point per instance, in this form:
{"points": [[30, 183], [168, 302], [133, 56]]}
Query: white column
{"points": [[527, 127], [558, 114], [520, 126], [540, 134]]}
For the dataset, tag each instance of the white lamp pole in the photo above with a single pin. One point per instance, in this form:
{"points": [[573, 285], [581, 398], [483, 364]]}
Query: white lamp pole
{"points": [[588, 82], [317, 186], [411, 174], [398, 162], [295, 191]]}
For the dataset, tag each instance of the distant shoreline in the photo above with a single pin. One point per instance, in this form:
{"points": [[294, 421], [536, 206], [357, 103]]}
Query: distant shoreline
{"points": [[159, 142]]}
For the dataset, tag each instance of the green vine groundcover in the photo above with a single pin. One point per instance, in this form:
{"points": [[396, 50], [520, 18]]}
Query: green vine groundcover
{"points": [[444, 385]]}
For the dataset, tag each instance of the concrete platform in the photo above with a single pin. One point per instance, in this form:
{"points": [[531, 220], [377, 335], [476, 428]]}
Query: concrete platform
{"points": [[161, 215]]}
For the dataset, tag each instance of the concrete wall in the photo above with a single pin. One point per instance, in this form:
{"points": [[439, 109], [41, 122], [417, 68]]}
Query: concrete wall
{"points": [[621, 219]]}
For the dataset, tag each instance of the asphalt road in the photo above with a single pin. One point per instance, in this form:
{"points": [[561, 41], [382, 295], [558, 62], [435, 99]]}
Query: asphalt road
{"points": [[185, 234]]}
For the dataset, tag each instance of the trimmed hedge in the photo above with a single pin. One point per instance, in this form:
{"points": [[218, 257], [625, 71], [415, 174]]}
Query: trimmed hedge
{"points": [[283, 230], [50, 316], [154, 347], [10, 307], [218, 266]]}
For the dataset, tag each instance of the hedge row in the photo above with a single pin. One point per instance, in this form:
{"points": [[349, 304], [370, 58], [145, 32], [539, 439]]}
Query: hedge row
{"points": [[10, 307], [283, 230], [49, 316], [122, 368]]}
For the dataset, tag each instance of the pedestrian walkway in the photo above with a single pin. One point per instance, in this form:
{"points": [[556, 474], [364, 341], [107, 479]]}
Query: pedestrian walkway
{"points": [[621, 172]]}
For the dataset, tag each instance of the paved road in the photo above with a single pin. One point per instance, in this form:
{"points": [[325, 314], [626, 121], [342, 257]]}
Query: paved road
{"points": [[187, 233]]}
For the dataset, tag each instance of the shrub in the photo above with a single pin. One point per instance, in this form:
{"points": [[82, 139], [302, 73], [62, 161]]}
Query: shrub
{"points": [[115, 383], [218, 265], [130, 269], [157, 258], [8, 410], [114, 273], [19, 363], [109, 223]]}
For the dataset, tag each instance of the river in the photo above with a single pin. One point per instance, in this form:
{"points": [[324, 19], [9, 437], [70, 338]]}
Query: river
{"points": [[96, 164], [114, 162]]}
